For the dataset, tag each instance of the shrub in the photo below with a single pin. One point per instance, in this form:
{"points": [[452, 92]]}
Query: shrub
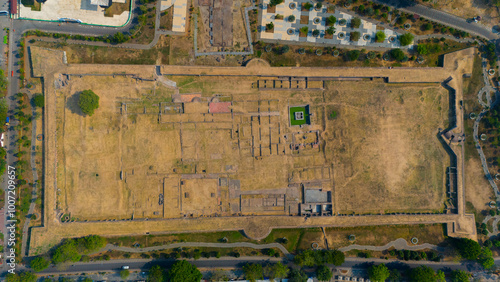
{"points": [[269, 26], [304, 29], [275, 2], [355, 22], [38, 100], [406, 39], [39, 263], [331, 20], [380, 36], [353, 55], [398, 54], [401, 20], [330, 30], [88, 102], [308, 6], [422, 49], [315, 32], [355, 36], [428, 26], [291, 18]]}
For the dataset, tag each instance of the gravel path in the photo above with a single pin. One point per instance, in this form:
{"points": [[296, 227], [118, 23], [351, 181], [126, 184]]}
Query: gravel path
{"points": [[198, 245], [398, 244]]}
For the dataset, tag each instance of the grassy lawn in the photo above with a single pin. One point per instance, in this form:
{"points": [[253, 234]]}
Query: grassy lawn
{"points": [[299, 121], [472, 86]]}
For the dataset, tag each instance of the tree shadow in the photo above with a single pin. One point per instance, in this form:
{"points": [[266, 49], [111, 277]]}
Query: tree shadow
{"points": [[72, 104]]}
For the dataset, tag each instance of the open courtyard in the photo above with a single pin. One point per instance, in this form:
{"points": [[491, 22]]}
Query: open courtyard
{"points": [[185, 149]]}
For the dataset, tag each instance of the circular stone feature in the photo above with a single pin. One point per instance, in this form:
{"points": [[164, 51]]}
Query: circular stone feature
{"points": [[366, 37], [336, 53], [407, 26], [292, 5], [39, 137], [343, 22], [414, 240], [472, 116], [341, 35], [392, 39], [315, 245], [317, 20], [420, 59], [290, 31], [268, 48], [483, 137], [352, 237], [491, 71], [319, 52], [302, 51]]}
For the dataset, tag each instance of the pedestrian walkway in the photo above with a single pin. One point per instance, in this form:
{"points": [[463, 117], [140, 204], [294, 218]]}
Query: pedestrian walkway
{"points": [[398, 244]]}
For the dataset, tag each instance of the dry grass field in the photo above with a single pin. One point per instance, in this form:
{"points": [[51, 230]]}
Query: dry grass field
{"points": [[384, 148], [143, 156]]}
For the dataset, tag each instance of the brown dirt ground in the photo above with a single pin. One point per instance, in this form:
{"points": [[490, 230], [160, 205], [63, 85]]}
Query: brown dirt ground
{"points": [[478, 191]]}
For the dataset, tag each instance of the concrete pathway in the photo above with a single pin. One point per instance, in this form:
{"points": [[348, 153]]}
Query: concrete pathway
{"points": [[197, 245], [398, 244]]}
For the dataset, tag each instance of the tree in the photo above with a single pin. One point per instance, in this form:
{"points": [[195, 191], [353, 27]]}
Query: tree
{"points": [[330, 30], [284, 49], [422, 274], [334, 257], [355, 22], [331, 20], [38, 100], [406, 39], [401, 20], [459, 276], [297, 275], [355, 36], [315, 32], [308, 6], [378, 273], [275, 2], [124, 273], [276, 271], [398, 54], [183, 271], [156, 274], [39, 263], [380, 36], [3, 80], [88, 102], [304, 29], [291, 18], [269, 26], [440, 277], [428, 26], [319, 5], [422, 49], [353, 55], [21, 277], [253, 271], [485, 258], [468, 249], [323, 273], [66, 252], [92, 243]]}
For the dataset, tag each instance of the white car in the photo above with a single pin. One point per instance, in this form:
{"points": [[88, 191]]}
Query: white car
{"points": [[125, 267], [2, 140]]}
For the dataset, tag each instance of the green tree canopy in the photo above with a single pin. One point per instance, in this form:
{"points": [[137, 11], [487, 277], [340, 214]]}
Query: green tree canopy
{"points": [[330, 30], [468, 249], [253, 271], [380, 36], [323, 273], [355, 36], [21, 277], [275, 2], [398, 54], [331, 20], [67, 251], [291, 18], [304, 29], [89, 102], [406, 39], [38, 100], [124, 273], [3, 80], [355, 22], [459, 276], [39, 263], [353, 55], [422, 49], [92, 243], [485, 258], [269, 26], [378, 273], [422, 274], [276, 271], [183, 271], [297, 275], [156, 274]]}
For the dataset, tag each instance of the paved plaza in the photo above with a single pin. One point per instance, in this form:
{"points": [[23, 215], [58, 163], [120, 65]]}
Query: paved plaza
{"points": [[290, 31], [81, 10]]}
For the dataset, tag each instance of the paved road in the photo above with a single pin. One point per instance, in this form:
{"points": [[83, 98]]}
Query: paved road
{"points": [[230, 262], [441, 17]]}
